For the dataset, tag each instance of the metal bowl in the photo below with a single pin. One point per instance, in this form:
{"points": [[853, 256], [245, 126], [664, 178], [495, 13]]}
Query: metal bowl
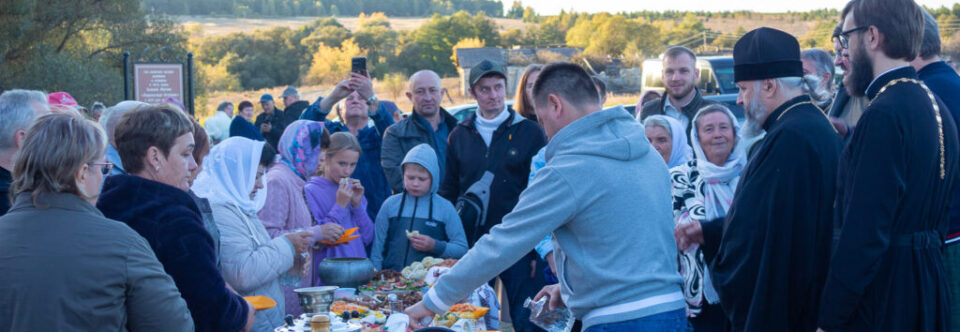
{"points": [[316, 300]]}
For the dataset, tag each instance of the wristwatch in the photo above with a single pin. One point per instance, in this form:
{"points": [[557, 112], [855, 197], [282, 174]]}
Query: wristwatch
{"points": [[372, 99]]}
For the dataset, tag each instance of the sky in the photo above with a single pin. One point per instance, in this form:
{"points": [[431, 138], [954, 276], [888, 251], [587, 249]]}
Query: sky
{"points": [[552, 7]]}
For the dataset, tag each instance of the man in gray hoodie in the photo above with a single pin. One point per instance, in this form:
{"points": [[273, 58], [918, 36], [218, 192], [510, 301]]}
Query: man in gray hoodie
{"points": [[615, 255]]}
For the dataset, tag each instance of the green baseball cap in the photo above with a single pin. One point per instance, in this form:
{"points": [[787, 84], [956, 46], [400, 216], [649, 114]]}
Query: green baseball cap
{"points": [[485, 68]]}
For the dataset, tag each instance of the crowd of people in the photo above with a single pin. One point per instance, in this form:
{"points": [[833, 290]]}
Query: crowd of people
{"points": [[830, 207]]}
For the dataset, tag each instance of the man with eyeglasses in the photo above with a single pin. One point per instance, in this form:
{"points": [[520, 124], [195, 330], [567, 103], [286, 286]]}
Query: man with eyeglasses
{"points": [[845, 110], [895, 182]]}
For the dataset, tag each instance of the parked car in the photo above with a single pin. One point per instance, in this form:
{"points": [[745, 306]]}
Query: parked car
{"points": [[462, 112]]}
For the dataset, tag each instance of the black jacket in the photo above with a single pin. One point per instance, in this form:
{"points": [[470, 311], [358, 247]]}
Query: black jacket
{"points": [[656, 107], [467, 161], [292, 112], [276, 126]]}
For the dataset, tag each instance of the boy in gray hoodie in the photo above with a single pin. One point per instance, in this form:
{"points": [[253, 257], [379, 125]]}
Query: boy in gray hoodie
{"points": [[604, 194], [419, 209]]}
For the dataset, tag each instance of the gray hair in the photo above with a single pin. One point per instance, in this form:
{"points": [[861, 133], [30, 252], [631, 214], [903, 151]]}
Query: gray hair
{"points": [[112, 115], [58, 144], [808, 85], [656, 121], [224, 105], [17, 112], [427, 72], [822, 60], [930, 47]]}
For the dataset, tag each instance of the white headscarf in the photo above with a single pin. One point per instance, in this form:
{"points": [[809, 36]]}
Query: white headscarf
{"points": [[680, 152], [719, 182], [229, 174]]}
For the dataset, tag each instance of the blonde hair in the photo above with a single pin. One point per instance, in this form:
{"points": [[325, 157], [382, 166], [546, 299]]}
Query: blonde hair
{"points": [[343, 141], [55, 146]]}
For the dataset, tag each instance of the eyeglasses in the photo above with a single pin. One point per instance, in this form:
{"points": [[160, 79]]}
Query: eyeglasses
{"points": [[844, 41], [105, 169]]}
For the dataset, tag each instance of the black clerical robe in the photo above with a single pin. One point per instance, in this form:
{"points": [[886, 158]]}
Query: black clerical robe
{"points": [[769, 256], [887, 272]]}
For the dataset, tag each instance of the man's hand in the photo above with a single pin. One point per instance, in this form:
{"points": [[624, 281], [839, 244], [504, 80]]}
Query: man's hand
{"points": [[331, 232], [553, 293], [417, 312], [265, 128], [342, 90], [423, 243], [686, 234], [361, 84], [841, 126]]}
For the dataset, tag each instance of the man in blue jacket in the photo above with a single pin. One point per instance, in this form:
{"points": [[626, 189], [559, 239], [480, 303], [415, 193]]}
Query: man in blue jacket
{"points": [[616, 257], [945, 83]]}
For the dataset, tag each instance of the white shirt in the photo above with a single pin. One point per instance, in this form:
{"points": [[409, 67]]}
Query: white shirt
{"points": [[218, 126], [672, 112], [487, 127]]}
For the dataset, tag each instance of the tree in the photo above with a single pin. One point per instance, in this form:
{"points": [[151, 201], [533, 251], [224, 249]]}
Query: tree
{"points": [[529, 16], [377, 40], [66, 45], [395, 83], [516, 10], [331, 64]]}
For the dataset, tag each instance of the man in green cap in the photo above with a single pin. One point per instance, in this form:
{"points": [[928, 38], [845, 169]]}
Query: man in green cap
{"points": [[499, 141]]}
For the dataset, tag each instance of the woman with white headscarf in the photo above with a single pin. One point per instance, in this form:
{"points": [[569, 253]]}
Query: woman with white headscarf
{"points": [[251, 261], [703, 190], [666, 134]]}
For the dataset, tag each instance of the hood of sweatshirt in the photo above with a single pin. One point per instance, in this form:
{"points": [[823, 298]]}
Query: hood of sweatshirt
{"points": [[601, 134], [425, 156]]}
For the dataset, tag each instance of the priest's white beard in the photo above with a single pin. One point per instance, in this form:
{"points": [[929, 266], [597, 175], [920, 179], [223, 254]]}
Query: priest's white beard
{"points": [[754, 112]]}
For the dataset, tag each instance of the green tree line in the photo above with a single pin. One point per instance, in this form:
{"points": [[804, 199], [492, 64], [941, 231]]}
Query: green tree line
{"points": [[250, 8]]}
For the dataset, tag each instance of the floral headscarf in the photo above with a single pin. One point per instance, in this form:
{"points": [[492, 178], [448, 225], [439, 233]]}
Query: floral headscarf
{"points": [[299, 147]]}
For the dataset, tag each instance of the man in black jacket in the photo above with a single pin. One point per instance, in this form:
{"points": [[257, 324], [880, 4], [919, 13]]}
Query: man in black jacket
{"points": [[293, 106], [428, 124], [496, 134], [681, 99], [270, 121]]}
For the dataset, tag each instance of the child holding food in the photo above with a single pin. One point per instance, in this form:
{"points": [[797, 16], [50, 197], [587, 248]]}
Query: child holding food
{"points": [[334, 197], [417, 223]]}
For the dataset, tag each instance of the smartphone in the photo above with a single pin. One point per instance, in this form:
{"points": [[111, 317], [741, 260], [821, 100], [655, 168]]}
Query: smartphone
{"points": [[359, 65]]}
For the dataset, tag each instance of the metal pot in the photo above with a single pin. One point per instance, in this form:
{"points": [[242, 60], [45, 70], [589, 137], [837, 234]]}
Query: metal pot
{"points": [[345, 272], [316, 300]]}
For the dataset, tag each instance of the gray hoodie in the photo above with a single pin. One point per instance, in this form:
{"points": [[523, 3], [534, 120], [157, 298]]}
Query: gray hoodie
{"points": [[430, 215], [604, 194]]}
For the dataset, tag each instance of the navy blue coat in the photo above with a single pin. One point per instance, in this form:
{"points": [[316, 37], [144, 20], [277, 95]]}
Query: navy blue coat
{"points": [[171, 222], [243, 128], [945, 83]]}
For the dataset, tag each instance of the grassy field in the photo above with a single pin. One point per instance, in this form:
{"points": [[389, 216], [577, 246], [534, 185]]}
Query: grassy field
{"points": [[217, 26]]}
